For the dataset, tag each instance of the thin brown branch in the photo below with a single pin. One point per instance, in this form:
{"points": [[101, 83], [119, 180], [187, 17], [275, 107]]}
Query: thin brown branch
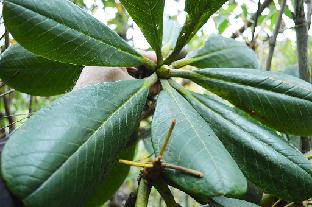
{"points": [[182, 169], [30, 107], [258, 13], [6, 93], [6, 100], [249, 23], [272, 41]]}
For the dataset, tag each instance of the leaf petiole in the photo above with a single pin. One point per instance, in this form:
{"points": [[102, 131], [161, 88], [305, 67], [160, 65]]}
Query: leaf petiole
{"points": [[167, 138]]}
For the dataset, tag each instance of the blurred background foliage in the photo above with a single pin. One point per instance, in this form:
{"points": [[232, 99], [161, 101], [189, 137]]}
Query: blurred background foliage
{"points": [[236, 19]]}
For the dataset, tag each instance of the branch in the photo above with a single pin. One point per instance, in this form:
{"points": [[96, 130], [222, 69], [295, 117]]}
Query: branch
{"points": [[6, 100], [301, 28], [249, 23], [258, 13], [309, 12], [165, 193], [143, 193], [272, 41]]}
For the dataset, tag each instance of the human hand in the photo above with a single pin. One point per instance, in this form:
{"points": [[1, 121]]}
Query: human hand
{"points": [[94, 74]]}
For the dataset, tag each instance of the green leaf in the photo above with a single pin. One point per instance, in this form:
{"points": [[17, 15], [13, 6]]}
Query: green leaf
{"points": [[229, 202], [114, 179], [62, 153], [280, 101], [199, 12], [194, 145], [32, 74], [171, 32], [60, 30], [265, 157], [221, 52], [148, 15]]}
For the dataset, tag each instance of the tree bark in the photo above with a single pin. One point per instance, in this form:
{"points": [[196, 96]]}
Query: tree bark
{"points": [[301, 27]]}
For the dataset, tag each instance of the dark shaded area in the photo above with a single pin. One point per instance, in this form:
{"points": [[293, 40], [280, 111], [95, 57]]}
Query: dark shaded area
{"points": [[6, 199]]}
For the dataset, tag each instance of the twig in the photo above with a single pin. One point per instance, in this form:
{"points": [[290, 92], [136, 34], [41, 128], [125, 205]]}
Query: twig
{"points": [[136, 164], [276, 203], [30, 108], [143, 193], [249, 23], [165, 192], [7, 109], [258, 13], [194, 173], [6, 100], [272, 41], [167, 138], [289, 204], [6, 93]]}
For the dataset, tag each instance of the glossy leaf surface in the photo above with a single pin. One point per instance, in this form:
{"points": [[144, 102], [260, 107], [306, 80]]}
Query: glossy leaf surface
{"points": [[194, 145], [60, 30], [148, 15], [31, 74], [198, 12], [264, 156], [221, 52], [280, 101], [62, 153], [114, 179]]}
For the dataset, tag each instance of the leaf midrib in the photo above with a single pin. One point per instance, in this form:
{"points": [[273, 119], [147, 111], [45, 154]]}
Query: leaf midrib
{"points": [[220, 80], [194, 129], [85, 34], [143, 87], [215, 52], [243, 129]]}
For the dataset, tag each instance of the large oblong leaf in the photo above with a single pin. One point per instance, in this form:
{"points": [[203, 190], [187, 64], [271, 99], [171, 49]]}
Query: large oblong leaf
{"points": [[194, 145], [115, 177], [61, 31], [32, 74], [148, 14], [280, 101], [198, 12], [221, 52], [62, 153], [264, 156]]}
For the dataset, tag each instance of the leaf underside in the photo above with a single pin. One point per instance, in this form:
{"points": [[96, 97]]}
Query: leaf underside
{"points": [[194, 145], [60, 30], [229, 202], [62, 153], [264, 157], [278, 100], [221, 52], [31, 74], [199, 12], [148, 15]]}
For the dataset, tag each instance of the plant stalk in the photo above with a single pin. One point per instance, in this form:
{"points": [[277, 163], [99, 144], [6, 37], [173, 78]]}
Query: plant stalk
{"points": [[164, 191], [167, 138], [272, 41], [144, 191]]}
